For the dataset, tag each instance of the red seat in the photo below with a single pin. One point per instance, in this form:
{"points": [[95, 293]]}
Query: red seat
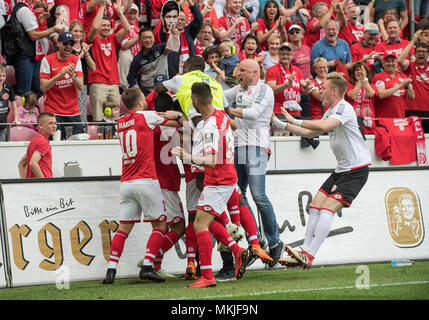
{"points": [[22, 134], [10, 75]]}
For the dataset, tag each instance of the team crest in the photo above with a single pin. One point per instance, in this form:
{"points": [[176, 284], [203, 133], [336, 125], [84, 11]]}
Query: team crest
{"points": [[404, 217]]}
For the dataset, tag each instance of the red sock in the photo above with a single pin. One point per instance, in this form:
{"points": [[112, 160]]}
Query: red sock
{"points": [[205, 249], [153, 245], [190, 242], [117, 247], [169, 240], [220, 234], [249, 225], [233, 208]]}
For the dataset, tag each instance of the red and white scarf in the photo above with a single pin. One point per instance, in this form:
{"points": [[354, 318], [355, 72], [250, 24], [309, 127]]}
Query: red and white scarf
{"points": [[422, 159]]}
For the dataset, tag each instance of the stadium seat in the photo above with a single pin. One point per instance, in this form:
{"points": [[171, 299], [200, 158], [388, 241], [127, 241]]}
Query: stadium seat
{"points": [[88, 107], [123, 107], [92, 131], [22, 134], [42, 104]]}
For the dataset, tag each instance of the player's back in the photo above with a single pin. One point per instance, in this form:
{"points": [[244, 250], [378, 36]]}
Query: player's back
{"points": [[136, 134]]}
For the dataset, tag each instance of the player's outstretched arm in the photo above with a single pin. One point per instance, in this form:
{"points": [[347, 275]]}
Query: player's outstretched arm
{"points": [[208, 161]]}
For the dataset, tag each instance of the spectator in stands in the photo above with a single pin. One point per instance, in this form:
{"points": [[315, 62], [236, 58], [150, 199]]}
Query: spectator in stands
{"points": [[270, 24], [72, 6], [248, 51], [210, 16], [272, 55], [392, 87], [26, 66], [212, 58], [130, 46], [204, 38], [60, 77], [104, 81], [379, 6], [111, 112], [389, 14], [335, 50], [424, 26], [151, 61], [418, 71], [351, 30], [286, 81], [28, 111], [394, 43], [7, 95], [320, 67], [301, 59], [361, 95], [365, 50], [232, 26], [321, 14], [37, 161], [229, 62], [83, 51], [91, 7]]}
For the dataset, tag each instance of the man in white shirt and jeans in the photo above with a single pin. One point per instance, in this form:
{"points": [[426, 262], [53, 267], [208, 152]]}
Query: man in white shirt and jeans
{"points": [[348, 178], [252, 106]]}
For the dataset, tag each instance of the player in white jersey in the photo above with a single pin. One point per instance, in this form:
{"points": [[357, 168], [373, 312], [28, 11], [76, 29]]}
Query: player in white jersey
{"points": [[348, 178]]}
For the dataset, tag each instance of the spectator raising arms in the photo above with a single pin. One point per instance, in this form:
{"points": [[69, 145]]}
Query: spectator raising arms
{"points": [[321, 70], [104, 81], [270, 24]]}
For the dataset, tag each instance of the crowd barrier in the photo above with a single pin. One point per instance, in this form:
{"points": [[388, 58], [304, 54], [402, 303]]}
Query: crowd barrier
{"points": [[60, 229]]}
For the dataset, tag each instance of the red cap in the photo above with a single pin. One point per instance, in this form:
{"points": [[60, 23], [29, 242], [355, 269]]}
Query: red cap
{"points": [[390, 54]]}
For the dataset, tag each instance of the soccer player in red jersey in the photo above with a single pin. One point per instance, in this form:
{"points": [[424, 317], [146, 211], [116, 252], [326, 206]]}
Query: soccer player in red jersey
{"points": [[219, 183], [37, 162], [140, 189]]}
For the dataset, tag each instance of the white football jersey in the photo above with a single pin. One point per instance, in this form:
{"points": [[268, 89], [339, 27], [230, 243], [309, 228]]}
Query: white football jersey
{"points": [[347, 142]]}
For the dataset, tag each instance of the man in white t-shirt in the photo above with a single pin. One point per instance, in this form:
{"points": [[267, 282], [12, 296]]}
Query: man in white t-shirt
{"points": [[348, 178]]}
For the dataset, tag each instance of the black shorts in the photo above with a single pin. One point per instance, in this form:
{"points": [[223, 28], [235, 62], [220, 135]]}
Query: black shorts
{"points": [[345, 186]]}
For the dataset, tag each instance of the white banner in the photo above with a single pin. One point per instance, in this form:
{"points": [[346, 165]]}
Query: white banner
{"points": [[61, 231]]}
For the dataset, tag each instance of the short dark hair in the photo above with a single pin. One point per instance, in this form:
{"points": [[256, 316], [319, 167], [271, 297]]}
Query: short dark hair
{"points": [[163, 102], [131, 97], [422, 45], [210, 50], [202, 92], [145, 29], [249, 36], [194, 63]]}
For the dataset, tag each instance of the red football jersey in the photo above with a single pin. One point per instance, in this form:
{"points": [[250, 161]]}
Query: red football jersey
{"points": [[166, 166], [293, 93], [420, 77], [109, 11], [40, 144], [104, 53], [393, 106], [313, 36], [395, 47], [227, 21], [136, 136], [219, 139], [61, 99], [352, 33]]}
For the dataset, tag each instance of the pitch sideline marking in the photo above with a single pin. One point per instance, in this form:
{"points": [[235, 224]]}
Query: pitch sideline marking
{"points": [[309, 289]]}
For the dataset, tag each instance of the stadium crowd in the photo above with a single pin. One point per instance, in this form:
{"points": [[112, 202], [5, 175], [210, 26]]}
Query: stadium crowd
{"points": [[76, 59]]}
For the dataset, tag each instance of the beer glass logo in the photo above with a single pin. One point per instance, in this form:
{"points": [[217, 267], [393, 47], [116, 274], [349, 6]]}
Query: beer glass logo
{"points": [[404, 217]]}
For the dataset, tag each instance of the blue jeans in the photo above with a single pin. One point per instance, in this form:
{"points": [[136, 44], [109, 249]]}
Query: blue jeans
{"points": [[251, 165], [27, 75], [62, 123]]}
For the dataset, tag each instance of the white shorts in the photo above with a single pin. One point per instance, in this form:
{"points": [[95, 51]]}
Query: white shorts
{"points": [[214, 199], [173, 206], [192, 196], [142, 195]]}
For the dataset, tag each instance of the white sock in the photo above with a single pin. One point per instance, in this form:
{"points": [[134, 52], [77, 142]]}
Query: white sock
{"points": [[322, 230], [314, 214]]}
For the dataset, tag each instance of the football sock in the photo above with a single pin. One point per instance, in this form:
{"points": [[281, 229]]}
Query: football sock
{"points": [[205, 249], [322, 230], [153, 245], [314, 214], [220, 234], [116, 248], [190, 242], [249, 225], [170, 238], [233, 208]]}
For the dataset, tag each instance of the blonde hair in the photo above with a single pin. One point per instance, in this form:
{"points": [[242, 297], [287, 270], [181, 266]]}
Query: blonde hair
{"points": [[337, 81], [272, 37]]}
